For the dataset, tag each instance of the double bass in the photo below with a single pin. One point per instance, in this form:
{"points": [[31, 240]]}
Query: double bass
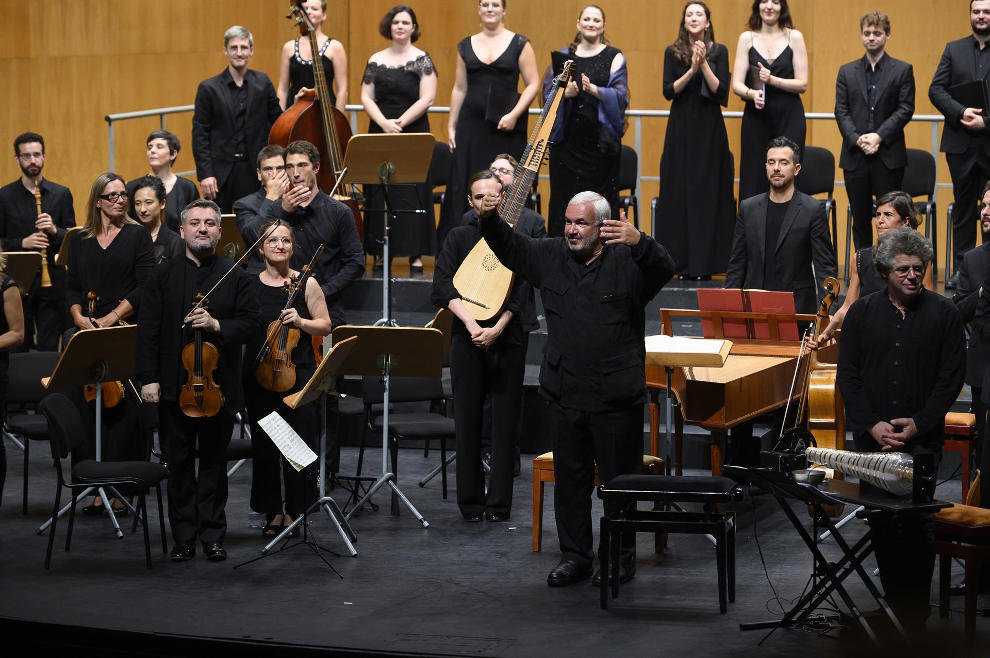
{"points": [[314, 119]]}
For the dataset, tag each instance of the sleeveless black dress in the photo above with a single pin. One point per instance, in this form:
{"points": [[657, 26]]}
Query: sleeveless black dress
{"points": [[301, 73], [491, 87], [266, 495], [782, 115], [578, 162], [396, 89], [870, 280]]}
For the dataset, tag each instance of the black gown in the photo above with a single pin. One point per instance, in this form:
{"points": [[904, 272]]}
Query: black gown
{"points": [[781, 116], [301, 74], [266, 491], [694, 210], [412, 234], [491, 89], [578, 161]]}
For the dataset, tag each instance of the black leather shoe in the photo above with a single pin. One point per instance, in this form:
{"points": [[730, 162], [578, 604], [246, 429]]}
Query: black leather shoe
{"points": [[214, 552], [626, 573], [496, 517], [472, 518], [568, 573], [182, 552]]}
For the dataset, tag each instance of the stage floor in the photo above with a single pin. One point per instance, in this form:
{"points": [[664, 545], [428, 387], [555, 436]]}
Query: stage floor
{"points": [[452, 589]]}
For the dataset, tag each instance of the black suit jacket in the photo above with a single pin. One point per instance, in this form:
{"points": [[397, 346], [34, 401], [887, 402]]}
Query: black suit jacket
{"points": [[975, 310], [894, 107], [957, 66], [804, 239], [213, 122]]}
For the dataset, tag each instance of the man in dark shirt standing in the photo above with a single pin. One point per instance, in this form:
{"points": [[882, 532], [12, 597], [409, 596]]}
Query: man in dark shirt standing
{"points": [[22, 228], [874, 100], [233, 114], [247, 209], [965, 137], [595, 283], [901, 365], [165, 327], [318, 219]]}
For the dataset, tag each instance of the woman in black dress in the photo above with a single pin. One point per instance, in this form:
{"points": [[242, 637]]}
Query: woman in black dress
{"points": [[163, 149], [591, 120], [310, 317], [487, 115], [397, 89], [111, 257], [295, 67], [11, 335], [695, 206], [770, 73], [150, 204]]}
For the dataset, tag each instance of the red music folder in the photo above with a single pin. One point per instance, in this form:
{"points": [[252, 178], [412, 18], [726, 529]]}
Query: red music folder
{"points": [[756, 301]]}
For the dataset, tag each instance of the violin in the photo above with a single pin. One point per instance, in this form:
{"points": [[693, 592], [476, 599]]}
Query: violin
{"points": [[276, 371], [113, 392], [200, 397]]}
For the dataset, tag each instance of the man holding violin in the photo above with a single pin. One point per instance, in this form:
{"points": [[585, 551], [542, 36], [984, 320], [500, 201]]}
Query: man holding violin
{"points": [[176, 346]]}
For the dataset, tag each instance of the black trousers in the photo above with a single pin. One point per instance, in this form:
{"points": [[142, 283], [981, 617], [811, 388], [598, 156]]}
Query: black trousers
{"points": [[497, 373], [863, 185], [196, 504], [242, 181], [613, 440], [969, 172]]}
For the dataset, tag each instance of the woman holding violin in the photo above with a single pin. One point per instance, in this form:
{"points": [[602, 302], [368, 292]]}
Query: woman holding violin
{"points": [[295, 71], [286, 363], [108, 263], [189, 362]]}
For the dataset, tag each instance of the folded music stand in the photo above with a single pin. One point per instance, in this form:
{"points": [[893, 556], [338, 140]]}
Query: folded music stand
{"points": [[384, 159], [232, 244], [384, 352], [91, 357], [62, 257], [22, 267]]}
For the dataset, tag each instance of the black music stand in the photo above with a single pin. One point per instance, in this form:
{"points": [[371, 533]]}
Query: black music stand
{"points": [[91, 357], [22, 267], [386, 352], [385, 160], [62, 257], [782, 487]]}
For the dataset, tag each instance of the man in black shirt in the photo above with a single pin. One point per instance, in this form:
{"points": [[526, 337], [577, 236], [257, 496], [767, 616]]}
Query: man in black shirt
{"points": [[874, 100], [271, 175], [485, 358], [595, 283], [318, 219], [781, 233], [234, 112], [901, 365], [165, 327], [22, 228]]}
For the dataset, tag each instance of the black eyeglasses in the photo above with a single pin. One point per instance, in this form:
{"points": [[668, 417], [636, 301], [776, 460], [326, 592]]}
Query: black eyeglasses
{"points": [[114, 196]]}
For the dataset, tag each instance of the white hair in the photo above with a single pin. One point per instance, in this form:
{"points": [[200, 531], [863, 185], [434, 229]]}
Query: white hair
{"points": [[599, 205]]}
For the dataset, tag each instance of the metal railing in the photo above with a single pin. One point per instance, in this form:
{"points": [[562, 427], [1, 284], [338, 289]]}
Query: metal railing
{"points": [[637, 117]]}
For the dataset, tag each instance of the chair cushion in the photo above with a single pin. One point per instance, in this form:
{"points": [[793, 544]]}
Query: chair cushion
{"points": [[350, 405], [417, 425], [964, 515], [32, 426], [959, 423], [144, 473], [673, 483]]}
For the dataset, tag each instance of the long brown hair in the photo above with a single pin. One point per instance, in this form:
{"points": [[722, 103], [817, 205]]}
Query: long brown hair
{"points": [[684, 46], [577, 35], [94, 226], [755, 22]]}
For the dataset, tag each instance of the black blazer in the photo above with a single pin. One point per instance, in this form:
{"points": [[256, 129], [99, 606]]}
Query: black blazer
{"points": [[895, 105], [958, 65], [213, 122], [804, 239]]}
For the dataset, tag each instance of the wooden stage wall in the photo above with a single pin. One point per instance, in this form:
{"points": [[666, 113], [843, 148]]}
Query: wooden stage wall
{"points": [[67, 63]]}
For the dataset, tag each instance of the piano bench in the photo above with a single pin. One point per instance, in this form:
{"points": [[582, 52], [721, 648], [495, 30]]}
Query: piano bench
{"points": [[667, 491], [960, 432], [962, 532], [543, 473]]}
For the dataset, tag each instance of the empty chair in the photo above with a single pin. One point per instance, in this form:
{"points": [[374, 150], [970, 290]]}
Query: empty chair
{"points": [[818, 177], [628, 177], [440, 166], [919, 181], [24, 392]]}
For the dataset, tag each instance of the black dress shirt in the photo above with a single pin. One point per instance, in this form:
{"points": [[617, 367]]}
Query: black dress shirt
{"points": [[329, 222], [459, 243], [900, 367], [18, 213], [114, 274], [595, 356], [168, 297], [873, 74], [775, 220]]}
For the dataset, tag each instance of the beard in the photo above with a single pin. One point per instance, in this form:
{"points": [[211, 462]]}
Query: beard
{"points": [[980, 31], [585, 250], [31, 170], [779, 184], [202, 249]]}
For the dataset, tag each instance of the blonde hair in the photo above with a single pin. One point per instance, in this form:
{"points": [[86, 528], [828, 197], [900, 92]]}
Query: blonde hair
{"points": [[94, 225]]}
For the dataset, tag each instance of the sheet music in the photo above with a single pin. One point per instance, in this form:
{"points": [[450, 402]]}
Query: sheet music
{"points": [[683, 344], [290, 444]]}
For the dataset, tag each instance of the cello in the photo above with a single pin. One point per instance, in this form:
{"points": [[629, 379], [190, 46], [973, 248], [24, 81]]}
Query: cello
{"points": [[826, 414], [314, 119]]}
